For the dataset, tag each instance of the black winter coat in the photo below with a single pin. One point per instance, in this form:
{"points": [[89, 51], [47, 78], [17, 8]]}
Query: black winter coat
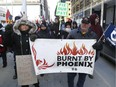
{"points": [[55, 29], [7, 35], [45, 34], [20, 43], [63, 34], [20, 39]]}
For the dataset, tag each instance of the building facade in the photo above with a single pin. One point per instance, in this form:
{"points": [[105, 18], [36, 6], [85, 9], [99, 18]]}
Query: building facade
{"points": [[2, 14], [64, 0], [44, 9], [106, 9], [34, 10]]}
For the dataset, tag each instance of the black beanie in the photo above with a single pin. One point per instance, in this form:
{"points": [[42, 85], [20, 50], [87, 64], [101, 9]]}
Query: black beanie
{"points": [[43, 24], [67, 23]]}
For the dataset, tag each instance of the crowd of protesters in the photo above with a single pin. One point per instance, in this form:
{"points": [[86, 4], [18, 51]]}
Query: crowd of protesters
{"points": [[16, 36]]}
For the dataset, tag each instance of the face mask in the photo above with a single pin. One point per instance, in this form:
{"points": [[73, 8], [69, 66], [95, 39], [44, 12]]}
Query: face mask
{"points": [[68, 29]]}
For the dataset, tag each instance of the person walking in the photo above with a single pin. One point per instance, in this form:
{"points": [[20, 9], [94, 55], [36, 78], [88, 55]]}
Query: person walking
{"points": [[82, 33], [95, 27], [22, 30], [3, 47]]}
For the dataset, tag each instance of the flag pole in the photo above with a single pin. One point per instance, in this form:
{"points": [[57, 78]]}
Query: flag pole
{"points": [[12, 7], [6, 4], [103, 33]]}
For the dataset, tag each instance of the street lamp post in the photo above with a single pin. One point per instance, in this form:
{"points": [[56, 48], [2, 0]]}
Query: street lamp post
{"points": [[24, 9]]}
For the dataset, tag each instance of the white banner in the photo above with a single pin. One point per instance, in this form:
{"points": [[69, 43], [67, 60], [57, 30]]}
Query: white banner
{"points": [[56, 56]]}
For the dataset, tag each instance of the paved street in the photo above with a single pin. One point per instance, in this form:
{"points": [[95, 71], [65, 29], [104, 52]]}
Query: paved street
{"points": [[104, 76]]}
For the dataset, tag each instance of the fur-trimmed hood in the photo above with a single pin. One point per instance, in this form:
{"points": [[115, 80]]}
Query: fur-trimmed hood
{"points": [[24, 22]]}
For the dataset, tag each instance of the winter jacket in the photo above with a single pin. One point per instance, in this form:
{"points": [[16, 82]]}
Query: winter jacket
{"points": [[45, 34], [55, 29], [7, 35], [76, 34], [2, 44], [95, 27], [20, 39], [64, 33]]}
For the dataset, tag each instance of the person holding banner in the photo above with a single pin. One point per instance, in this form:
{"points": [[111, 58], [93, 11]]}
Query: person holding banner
{"points": [[3, 47], [82, 33], [22, 30], [44, 32]]}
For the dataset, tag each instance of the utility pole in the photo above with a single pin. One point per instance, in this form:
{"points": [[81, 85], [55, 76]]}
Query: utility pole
{"points": [[24, 9], [6, 4]]}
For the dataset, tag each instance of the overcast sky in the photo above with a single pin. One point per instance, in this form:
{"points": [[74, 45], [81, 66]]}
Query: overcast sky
{"points": [[52, 5], [32, 14]]}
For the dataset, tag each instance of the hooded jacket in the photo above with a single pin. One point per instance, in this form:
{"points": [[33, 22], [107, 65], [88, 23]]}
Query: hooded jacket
{"points": [[33, 26], [45, 33], [95, 27], [20, 39]]}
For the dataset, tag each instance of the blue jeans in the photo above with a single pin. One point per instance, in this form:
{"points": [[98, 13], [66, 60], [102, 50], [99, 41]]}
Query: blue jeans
{"points": [[80, 82]]}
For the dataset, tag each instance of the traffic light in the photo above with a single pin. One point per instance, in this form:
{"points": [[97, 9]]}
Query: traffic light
{"points": [[69, 9]]}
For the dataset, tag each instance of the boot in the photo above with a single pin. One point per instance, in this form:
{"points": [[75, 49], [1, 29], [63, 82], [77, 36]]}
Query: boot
{"points": [[41, 75], [91, 76], [25, 86], [36, 84], [4, 65], [4, 58], [15, 76]]}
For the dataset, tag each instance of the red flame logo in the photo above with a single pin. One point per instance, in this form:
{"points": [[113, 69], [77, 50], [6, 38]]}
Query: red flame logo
{"points": [[41, 64], [66, 50]]}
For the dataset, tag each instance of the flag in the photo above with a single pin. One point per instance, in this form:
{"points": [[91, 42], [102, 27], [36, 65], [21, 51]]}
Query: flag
{"points": [[110, 33], [10, 17], [7, 15]]}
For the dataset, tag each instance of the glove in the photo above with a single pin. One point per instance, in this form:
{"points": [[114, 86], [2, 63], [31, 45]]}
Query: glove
{"points": [[9, 50], [33, 37], [1, 46], [98, 46], [41, 75]]}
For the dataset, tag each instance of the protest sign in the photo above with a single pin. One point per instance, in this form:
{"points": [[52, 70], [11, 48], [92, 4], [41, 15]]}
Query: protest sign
{"points": [[62, 9], [25, 70]]}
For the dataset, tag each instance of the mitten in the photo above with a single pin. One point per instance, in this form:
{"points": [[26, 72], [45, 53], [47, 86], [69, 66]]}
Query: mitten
{"points": [[98, 46], [33, 37]]}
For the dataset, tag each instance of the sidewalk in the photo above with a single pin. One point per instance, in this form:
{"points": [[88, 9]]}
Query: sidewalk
{"points": [[103, 76]]}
